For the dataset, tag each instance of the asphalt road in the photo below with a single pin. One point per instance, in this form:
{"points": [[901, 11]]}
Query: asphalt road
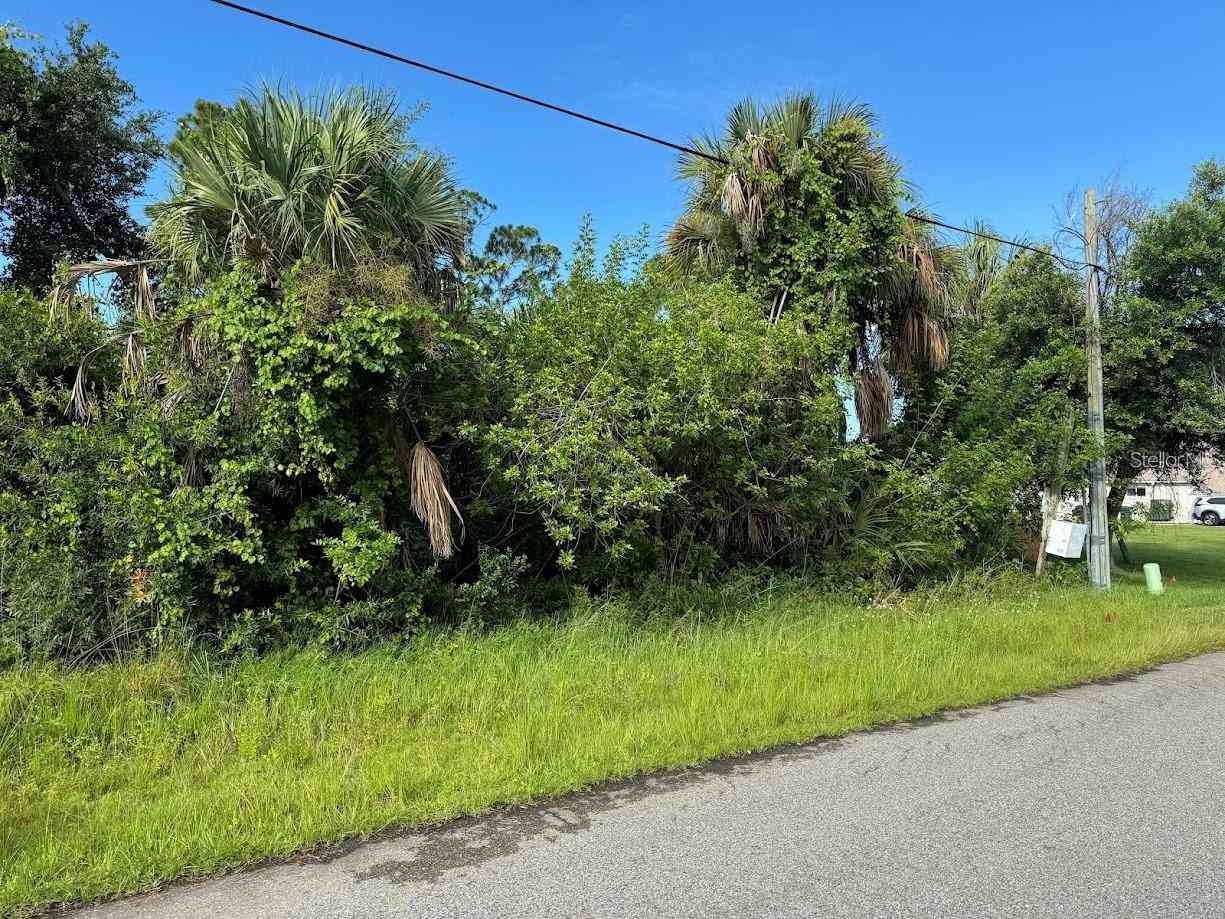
{"points": [[1105, 801]]}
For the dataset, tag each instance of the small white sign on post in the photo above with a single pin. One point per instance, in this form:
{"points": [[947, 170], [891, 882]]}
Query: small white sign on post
{"points": [[1066, 539]]}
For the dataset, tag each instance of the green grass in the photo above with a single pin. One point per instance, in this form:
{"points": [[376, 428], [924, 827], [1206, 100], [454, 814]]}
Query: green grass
{"points": [[120, 777]]}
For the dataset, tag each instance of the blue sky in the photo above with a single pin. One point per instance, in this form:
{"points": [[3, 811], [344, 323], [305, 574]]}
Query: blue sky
{"points": [[996, 110]]}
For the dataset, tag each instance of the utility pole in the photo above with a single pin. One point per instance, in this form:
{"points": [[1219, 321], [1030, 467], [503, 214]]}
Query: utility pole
{"points": [[1099, 526]]}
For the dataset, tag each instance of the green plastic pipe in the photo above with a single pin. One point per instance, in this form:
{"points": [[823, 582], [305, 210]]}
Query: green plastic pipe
{"points": [[1152, 577]]}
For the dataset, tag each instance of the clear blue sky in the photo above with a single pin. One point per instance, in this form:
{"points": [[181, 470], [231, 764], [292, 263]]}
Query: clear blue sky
{"points": [[996, 110]]}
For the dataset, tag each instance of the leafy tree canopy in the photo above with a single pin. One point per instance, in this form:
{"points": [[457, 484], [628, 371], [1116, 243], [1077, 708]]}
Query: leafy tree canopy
{"points": [[75, 150], [1164, 337]]}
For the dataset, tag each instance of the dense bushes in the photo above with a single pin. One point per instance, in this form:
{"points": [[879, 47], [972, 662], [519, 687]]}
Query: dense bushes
{"points": [[654, 426], [62, 522], [333, 437], [988, 427], [250, 481], [248, 484]]}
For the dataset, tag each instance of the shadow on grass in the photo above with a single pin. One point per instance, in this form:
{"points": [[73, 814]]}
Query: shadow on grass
{"points": [[1192, 554]]}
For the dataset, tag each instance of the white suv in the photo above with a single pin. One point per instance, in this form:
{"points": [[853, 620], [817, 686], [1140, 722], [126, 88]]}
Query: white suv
{"points": [[1209, 510]]}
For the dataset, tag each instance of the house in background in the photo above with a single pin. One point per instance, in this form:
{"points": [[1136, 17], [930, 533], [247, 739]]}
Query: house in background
{"points": [[1171, 482]]}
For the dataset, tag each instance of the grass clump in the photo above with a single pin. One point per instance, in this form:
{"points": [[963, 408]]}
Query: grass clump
{"points": [[123, 776]]}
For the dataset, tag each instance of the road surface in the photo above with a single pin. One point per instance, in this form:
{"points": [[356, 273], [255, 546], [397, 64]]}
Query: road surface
{"points": [[1105, 800]]}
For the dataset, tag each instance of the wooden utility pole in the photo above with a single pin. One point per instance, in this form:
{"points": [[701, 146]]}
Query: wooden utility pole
{"points": [[1099, 526]]}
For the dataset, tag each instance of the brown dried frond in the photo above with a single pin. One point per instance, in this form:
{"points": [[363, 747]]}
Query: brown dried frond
{"points": [[146, 304], [758, 530], [133, 271], [80, 406], [193, 473], [62, 299], [761, 152], [172, 399], [926, 278], [189, 339], [134, 357], [937, 345], [734, 197], [873, 399], [921, 342], [431, 501]]}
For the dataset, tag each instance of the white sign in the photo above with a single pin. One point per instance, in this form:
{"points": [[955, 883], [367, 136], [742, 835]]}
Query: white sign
{"points": [[1066, 539]]}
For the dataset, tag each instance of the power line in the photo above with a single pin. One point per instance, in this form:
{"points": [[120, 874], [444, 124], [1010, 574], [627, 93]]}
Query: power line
{"points": [[450, 74], [590, 119], [1066, 262]]}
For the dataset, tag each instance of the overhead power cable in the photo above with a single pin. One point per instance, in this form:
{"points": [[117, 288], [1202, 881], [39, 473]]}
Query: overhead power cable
{"points": [[450, 74], [1066, 262], [590, 119]]}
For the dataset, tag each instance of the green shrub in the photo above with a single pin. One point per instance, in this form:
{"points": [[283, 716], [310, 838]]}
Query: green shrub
{"points": [[1160, 510], [64, 584], [247, 488], [248, 482], [651, 426]]}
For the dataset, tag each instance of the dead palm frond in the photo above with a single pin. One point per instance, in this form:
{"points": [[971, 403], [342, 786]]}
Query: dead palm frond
{"points": [[922, 342], [80, 405], [133, 272], [190, 340], [430, 499], [734, 197], [134, 358], [916, 300], [873, 399], [193, 470]]}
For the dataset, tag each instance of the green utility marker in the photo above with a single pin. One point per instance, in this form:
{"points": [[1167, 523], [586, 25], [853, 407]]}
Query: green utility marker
{"points": [[1152, 577]]}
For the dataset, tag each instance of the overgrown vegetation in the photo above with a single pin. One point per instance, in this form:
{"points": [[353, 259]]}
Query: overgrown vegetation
{"points": [[322, 415]]}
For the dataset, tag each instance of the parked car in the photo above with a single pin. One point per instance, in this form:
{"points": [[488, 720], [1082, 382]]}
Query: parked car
{"points": [[1209, 510]]}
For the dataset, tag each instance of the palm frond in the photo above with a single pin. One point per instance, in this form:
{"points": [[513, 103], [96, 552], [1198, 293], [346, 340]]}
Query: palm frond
{"points": [[284, 177], [700, 242], [132, 272], [431, 501], [874, 399]]}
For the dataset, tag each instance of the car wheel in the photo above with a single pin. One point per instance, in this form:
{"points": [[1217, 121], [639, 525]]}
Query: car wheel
{"points": [[1209, 518]]}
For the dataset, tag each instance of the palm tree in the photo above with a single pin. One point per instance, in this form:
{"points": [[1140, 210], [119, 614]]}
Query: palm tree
{"points": [[279, 177], [727, 204], [759, 160], [983, 261]]}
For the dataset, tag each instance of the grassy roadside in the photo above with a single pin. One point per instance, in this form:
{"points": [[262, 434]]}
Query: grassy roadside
{"points": [[121, 777]]}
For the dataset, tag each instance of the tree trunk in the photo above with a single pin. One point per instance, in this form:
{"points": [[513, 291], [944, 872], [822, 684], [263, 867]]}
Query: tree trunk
{"points": [[1114, 505]]}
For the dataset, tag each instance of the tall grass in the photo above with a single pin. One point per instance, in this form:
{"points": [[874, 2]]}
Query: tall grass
{"points": [[120, 777]]}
